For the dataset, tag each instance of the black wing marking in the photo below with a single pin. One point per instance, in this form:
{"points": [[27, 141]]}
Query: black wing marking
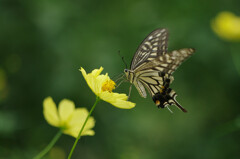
{"points": [[154, 45], [166, 98], [161, 94]]}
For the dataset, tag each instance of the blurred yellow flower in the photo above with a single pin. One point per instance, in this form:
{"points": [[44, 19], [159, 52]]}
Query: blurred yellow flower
{"points": [[227, 26], [102, 86], [67, 117]]}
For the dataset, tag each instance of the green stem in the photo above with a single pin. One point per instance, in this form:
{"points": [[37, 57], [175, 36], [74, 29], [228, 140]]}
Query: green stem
{"points": [[49, 146], [79, 135]]}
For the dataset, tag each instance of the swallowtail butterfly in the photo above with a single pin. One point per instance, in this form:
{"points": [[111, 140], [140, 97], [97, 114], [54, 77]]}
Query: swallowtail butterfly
{"points": [[152, 67]]}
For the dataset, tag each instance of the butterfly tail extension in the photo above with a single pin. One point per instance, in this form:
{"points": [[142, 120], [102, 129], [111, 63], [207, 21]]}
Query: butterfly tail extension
{"points": [[172, 99], [179, 106]]}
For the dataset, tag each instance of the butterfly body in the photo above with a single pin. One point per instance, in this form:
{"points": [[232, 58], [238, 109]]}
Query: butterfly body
{"points": [[152, 67]]}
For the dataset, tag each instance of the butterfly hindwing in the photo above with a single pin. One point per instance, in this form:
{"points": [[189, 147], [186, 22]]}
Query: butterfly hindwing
{"points": [[152, 80], [140, 88]]}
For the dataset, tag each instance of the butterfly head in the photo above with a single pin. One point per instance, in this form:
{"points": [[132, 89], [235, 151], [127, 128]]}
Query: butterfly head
{"points": [[129, 75]]}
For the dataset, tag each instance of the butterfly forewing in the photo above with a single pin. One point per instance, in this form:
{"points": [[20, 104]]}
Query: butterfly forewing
{"points": [[167, 63], [155, 44], [175, 58]]}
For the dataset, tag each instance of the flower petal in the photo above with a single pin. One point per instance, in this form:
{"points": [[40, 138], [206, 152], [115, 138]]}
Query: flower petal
{"points": [[76, 123], [89, 133], [100, 80], [91, 79], [97, 82], [50, 112], [96, 72], [66, 109], [75, 132], [118, 100]]}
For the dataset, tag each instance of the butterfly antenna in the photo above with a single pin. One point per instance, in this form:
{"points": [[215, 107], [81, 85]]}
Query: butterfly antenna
{"points": [[123, 59]]}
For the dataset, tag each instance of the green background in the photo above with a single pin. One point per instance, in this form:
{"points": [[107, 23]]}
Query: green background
{"points": [[44, 43]]}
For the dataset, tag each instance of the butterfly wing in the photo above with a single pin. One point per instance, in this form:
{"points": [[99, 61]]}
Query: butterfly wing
{"points": [[156, 75], [167, 63], [153, 68], [153, 74], [141, 89], [153, 80], [171, 61], [154, 45]]}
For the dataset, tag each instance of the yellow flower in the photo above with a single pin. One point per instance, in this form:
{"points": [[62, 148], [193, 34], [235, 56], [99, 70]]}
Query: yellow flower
{"points": [[227, 26], [67, 117], [102, 86]]}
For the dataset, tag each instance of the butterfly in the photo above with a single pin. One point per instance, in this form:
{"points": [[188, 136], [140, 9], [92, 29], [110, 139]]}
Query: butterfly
{"points": [[152, 67]]}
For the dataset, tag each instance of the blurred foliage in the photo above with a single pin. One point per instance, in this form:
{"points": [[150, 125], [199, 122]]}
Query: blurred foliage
{"points": [[44, 43]]}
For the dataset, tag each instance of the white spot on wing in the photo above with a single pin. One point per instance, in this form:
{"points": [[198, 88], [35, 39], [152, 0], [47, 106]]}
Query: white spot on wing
{"points": [[148, 43], [164, 65], [151, 59], [159, 68], [154, 54]]}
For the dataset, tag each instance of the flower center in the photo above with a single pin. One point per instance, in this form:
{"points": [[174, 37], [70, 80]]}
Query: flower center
{"points": [[109, 85]]}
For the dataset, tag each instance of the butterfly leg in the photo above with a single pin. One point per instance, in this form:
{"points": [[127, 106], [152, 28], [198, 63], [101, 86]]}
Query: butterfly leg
{"points": [[119, 78], [120, 83], [129, 93]]}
